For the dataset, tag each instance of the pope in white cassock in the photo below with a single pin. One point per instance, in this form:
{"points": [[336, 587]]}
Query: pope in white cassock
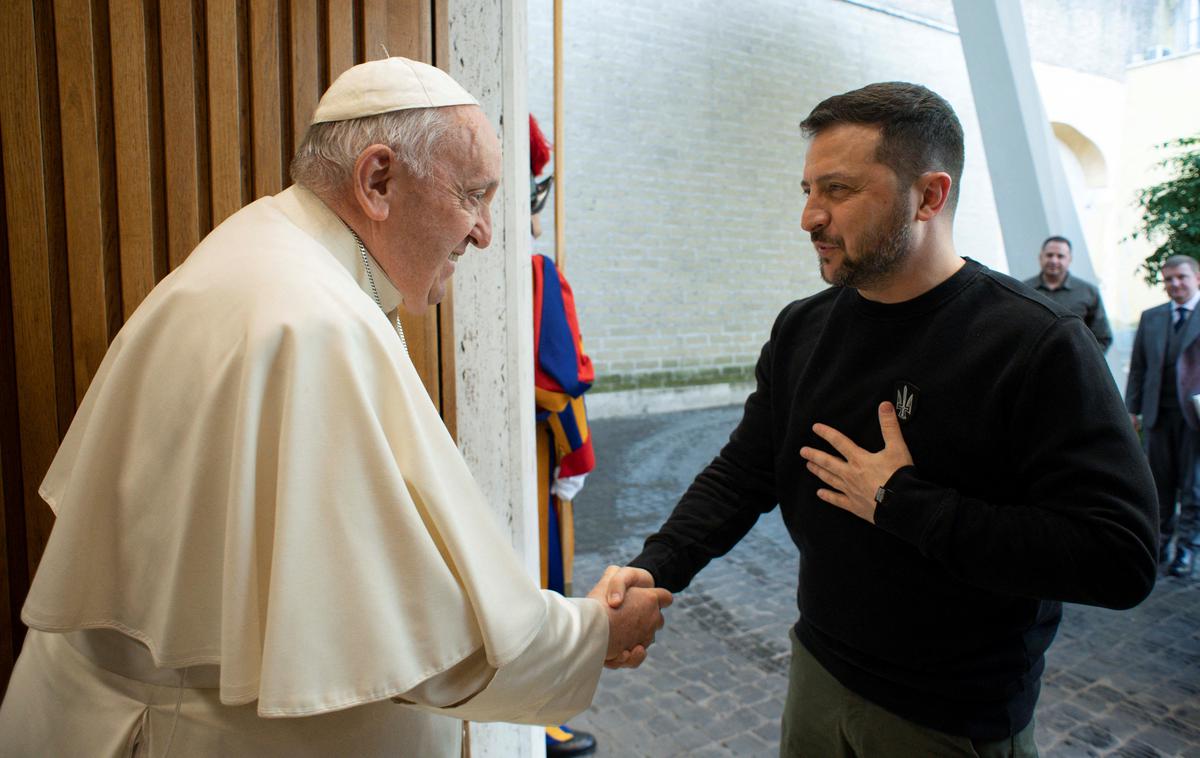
{"points": [[267, 542]]}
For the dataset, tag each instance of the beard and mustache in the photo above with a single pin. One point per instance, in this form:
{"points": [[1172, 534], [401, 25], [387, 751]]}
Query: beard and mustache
{"points": [[881, 251]]}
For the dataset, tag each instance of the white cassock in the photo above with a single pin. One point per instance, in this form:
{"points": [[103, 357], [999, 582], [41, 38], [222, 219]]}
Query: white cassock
{"points": [[265, 533]]}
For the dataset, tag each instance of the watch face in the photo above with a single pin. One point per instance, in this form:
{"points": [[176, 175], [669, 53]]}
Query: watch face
{"points": [[880, 494]]}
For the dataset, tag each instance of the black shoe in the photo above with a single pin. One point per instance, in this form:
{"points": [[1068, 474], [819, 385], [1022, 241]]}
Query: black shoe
{"points": [[562, 742], [1184, 562]]}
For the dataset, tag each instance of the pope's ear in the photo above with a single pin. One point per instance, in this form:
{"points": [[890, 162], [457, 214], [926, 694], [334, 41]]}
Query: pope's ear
{"points": [[372, 181]]}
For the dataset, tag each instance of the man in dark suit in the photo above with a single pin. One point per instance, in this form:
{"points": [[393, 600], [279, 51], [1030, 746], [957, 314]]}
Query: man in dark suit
{"points": [[1164, 382]]}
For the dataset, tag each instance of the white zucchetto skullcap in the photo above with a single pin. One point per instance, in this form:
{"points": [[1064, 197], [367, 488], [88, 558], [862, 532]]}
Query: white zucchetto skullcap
{"points": [[391, 84]]}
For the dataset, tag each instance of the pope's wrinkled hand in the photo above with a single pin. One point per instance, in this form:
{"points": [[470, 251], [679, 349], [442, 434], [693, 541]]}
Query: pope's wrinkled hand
{"points": [[633, 621]]}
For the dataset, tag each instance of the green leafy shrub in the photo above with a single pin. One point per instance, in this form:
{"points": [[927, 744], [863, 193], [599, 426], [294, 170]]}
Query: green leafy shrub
{"points": [[1171, 209]]}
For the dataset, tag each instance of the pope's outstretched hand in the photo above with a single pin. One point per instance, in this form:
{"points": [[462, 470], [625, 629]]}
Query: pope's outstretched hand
{"points": [[634, 617]]}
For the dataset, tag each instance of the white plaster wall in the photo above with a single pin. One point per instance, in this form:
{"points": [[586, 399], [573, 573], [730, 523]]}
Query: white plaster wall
{"points": [[493, 311]]}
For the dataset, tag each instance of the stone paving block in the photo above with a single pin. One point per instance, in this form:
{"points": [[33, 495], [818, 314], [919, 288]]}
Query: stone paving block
{"points": [[1062, 717], [749, 718], [1119, 725], [666, 680], [1070, 748], [1072, 680], [638, 691], [752, 694], [722, 681], [722, 702], [1163, 740], [1191, 617], [1189, 713], [1104, 691], [632, 712], [1141, 706], [692, 738], [768, 709], [721, 727], [770, 731], [1094, 735], [697, 693], [1188, 732], [1091, 669], [1095, 702], [1188, 645], [1188, 687], [1044, 738], [747, 745], [1136, 749]]}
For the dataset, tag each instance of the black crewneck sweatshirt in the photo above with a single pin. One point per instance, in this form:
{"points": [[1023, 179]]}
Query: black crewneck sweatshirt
{"points": [[1028, 489]]}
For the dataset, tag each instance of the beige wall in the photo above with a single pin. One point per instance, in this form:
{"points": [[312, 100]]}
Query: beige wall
{"points": [[1109, 128], [1162, 103], [1080, 107]]}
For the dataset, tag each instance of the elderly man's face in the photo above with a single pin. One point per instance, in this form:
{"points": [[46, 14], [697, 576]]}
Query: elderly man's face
{"points": [[435, 218], [856, 214]]}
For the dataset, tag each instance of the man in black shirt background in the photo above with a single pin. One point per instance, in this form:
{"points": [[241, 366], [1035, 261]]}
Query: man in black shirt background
{"points": [[947, 449], [1079, 297]]}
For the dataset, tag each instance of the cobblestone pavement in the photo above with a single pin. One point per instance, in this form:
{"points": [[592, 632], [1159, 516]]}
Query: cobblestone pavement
{"points": [[1116, 683]]}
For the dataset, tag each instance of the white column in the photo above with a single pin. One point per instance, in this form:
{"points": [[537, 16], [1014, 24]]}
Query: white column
{"points": [[1033, 199], [493, 310]]}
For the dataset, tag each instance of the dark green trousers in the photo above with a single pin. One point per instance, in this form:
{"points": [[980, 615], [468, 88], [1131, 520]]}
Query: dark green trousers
{"points": [[823, 719]]}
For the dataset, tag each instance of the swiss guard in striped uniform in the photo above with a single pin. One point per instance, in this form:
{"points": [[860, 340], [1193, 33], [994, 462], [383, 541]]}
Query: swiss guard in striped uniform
{"points": [[562, 373]]}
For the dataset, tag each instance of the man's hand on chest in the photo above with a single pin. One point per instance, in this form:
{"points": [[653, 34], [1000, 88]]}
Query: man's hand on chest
{"points": [[857, 478]]}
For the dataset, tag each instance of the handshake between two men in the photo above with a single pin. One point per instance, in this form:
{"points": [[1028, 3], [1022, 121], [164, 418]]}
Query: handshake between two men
{"points": [[634, 607]]}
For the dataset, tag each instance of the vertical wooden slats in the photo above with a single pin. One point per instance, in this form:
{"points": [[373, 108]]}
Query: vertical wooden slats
{"points": [[306, 71], [224, 111], [6, 628], [340, 32], [138, 180], [267, 107], [83, 151], [128, 129], [40, 354], [410, 32], [12, 511], [187, 205], [375, 30]]}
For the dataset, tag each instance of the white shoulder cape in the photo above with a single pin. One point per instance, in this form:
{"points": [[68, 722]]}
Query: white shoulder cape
{"points": [[257, 479]]}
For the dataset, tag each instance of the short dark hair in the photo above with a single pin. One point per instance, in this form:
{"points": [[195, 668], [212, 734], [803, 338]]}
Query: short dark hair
{"points": [[918, 129], [1182, 260], [1057, 238]]}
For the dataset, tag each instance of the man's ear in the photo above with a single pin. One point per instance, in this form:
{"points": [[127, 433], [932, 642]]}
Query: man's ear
{"points": [[373, 180], [934, 189]]}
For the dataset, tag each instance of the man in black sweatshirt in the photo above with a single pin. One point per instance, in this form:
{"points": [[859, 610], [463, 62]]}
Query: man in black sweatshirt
{"points": [[949, 452]]}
